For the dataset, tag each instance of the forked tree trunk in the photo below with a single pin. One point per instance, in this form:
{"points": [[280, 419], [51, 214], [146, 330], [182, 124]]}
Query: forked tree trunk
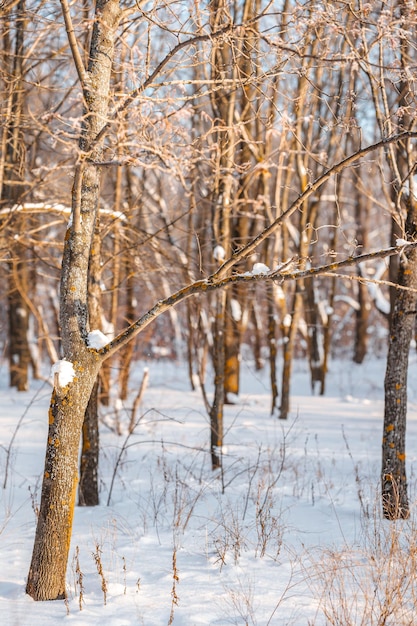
{"points": [[46, 579]]}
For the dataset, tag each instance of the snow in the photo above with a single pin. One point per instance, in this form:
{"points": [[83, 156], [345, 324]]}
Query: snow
{"points": [[401, 242], [96, 339], [219, 253], [290, 529], [260, 268], [65, 371], [108, 327], [236, 309]]}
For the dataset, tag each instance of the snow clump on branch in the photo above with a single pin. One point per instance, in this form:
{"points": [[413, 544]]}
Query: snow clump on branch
{"points": [[260, 268], [401, 242]]}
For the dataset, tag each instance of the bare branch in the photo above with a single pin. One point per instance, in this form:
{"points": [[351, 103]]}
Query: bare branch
{"points": [[246, 250], [369, 281], [192, 41], [72, 40], [216, 282]]}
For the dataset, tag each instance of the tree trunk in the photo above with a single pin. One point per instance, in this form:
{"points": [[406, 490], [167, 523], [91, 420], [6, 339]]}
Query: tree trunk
{"points": [[19, 353], [216, 412], [47, 573], [272, 343], [403, 306], [11, 187], [223, 104], [232, 339], [314, 334], [364, 308], [394, 482], [361, 326], [289, 334], [88, 487], [46, 579], [126, 354]]}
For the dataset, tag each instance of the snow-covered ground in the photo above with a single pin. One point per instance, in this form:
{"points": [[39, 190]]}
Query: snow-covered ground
{"points": [[289, 533]]}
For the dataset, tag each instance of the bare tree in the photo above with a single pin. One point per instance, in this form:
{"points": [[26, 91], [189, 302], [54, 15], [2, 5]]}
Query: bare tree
{"points": [[76, 373]]}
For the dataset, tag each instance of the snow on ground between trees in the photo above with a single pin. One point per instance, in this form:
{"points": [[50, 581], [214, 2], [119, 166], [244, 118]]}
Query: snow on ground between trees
{"points": [[293, 520]]}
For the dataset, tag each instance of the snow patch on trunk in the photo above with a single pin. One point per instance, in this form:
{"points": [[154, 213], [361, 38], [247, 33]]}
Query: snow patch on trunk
{"points": [[65, 371]]}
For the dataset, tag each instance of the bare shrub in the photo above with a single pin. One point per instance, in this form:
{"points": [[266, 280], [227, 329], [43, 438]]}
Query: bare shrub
{"points": [[375, 585]]}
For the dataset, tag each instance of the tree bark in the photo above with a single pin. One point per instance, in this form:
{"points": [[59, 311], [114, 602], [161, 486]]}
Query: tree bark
{"points": [[88, 488], [223, 104], [12, 175], [394, 483], [18, 313], [364, 308], [216, 411], [47, 573]]}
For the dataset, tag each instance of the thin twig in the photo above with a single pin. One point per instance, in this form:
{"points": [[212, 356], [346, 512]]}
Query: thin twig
{"points": [[138, 400], [19, 423]]}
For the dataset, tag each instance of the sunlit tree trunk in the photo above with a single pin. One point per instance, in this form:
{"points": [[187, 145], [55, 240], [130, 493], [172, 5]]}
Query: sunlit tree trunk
{"points": [[223, 103], [305, 223], [46, 578]]}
